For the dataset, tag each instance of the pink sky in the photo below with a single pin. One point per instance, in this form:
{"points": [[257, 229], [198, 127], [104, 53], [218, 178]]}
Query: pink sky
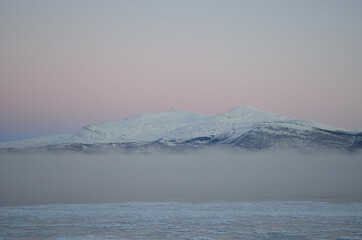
{"points": [[66, 64]]}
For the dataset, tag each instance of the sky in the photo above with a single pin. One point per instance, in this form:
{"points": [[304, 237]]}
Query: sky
{"points": [[66, 64]]}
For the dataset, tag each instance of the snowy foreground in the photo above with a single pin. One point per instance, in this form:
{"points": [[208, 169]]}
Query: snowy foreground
{"points": [[172, 220]]}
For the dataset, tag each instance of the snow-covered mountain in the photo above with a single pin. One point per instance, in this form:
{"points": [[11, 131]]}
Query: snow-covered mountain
{"points": [[242, 126]]}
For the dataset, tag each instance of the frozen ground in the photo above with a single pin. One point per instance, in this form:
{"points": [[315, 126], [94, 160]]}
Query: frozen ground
{"points": [[172, 220]]}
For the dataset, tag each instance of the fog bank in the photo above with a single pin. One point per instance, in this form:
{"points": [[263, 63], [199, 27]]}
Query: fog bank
{"points": [[27, 179]]}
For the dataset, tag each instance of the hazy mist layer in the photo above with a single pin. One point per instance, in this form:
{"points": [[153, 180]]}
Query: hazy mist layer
{"points": [[27, 179]]}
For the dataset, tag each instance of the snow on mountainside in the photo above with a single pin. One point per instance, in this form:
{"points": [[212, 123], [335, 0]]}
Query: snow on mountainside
{"points": [[37, 142], [241, 126], [182, 125], [144, 127]]}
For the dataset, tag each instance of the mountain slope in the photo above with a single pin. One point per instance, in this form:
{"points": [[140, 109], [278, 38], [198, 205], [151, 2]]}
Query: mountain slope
{"points": [[242, 127], [140, 128]]}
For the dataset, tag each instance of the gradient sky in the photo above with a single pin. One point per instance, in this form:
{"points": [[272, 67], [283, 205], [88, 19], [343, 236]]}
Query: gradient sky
{"points": [[66, 64]]}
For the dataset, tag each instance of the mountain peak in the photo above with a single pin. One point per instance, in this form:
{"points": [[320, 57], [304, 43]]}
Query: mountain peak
{"points": [[244, 108], [243, 111], [168, 116], [242, 126]]}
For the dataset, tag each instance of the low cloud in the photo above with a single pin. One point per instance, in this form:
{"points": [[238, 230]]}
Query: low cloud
{"points": [[214, 175]]}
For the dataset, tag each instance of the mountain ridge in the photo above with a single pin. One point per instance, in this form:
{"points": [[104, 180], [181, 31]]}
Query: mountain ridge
{"points": [[242, 126]]}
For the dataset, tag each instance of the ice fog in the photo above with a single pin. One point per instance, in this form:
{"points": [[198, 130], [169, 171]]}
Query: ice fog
{"points": [[27, 179]]}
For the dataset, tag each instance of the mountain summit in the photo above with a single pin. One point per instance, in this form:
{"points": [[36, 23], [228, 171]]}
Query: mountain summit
{"points": [[242, 127]]}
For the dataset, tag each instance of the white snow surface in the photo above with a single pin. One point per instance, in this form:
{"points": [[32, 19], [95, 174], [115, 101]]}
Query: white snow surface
{"points": [[273, 220], [173, 125], [37, 141], [144, 127]]}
